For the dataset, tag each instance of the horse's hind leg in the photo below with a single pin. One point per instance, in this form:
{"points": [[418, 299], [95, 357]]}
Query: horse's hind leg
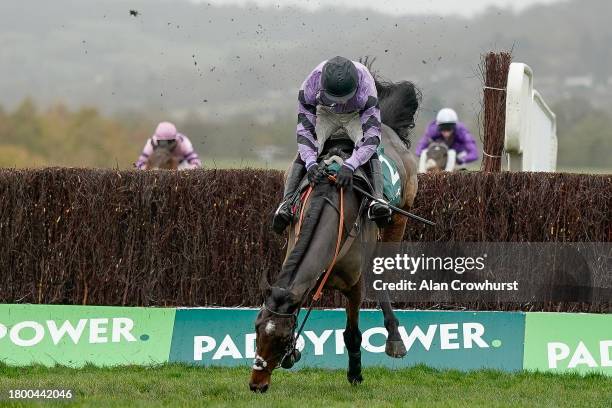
{"points": [[394, 346], [352, 334]]}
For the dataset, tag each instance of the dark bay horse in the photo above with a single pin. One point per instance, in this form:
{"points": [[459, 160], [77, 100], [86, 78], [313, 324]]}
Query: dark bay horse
{"points": [[315, 246]]}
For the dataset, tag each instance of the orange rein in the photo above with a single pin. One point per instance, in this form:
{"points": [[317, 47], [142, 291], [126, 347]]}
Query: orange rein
{"points": [[329, 269], [304, 201], [319, 291]]}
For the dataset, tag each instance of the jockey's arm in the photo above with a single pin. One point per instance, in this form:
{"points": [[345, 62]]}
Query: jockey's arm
{"points": [[369, 116], [188, 152], [425, 139], [470, 154], [144, 156], [306, 121], [422, 145]]}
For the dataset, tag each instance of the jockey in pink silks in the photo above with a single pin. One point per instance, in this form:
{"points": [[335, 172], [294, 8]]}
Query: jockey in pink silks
{"points": [[166, 136]]}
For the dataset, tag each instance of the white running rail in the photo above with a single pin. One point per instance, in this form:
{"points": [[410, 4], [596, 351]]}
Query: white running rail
{"points": [[531, 126]]}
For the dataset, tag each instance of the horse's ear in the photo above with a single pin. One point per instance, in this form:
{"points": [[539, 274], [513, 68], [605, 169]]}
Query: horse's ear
{"points": [[368, 61]]}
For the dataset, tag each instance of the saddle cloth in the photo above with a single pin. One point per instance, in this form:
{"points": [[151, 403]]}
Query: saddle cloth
{"points": [[392, 187]]}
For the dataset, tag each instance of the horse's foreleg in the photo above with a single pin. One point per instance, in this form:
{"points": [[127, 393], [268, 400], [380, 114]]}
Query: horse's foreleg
{"points": [[352, 334], [394, 346]]}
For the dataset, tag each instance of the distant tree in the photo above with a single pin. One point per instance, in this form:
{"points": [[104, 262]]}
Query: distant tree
{"points": [[60, 137], [584, 135], [25, 128]]}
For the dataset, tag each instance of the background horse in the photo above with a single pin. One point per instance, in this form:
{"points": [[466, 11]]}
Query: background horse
{"points": [[437, 157], [314, 249], [162, 158]]}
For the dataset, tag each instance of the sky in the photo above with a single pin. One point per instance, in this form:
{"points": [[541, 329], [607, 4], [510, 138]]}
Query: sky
{"points": [[466, 8]]}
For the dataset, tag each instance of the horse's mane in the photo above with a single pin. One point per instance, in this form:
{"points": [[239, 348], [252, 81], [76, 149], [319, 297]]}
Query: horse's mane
{"points": [[398, 102]]}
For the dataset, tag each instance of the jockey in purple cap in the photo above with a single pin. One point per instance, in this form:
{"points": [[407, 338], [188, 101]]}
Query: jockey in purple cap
{"points": [[339, 94], [167, 137], [447, 128]]}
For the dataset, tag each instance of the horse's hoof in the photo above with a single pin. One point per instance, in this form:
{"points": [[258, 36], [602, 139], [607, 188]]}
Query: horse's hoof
{"points": [[395, 348], [259, 388], [354, 379]]}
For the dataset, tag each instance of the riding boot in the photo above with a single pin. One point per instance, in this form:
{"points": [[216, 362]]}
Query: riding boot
{"points": [[378, 211], [283, 215]]}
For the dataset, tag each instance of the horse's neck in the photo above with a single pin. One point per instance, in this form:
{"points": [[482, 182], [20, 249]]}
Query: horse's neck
{"points": [[321, 248]]}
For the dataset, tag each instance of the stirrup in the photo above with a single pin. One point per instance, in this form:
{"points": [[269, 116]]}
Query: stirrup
{"points": [[282, 219], [373, 216], [381, 220]]}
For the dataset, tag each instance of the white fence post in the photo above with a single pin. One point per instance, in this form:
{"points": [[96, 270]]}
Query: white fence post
{"points": [[531, 127]]}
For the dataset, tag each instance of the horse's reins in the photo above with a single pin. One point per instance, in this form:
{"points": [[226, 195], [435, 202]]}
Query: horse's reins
{"points": [[304, 200]]}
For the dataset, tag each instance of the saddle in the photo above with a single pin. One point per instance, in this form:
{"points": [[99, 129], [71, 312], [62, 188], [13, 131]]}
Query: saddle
{"points": [[334, 152], [340, 148]]}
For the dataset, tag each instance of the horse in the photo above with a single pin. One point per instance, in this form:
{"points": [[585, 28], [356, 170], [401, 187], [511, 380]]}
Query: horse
{"points": [[162, 158], [437, 157], [312, 249]]}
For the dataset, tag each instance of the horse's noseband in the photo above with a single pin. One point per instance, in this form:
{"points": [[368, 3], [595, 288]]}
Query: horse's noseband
{"points": [[292, 355], [259, 364]]}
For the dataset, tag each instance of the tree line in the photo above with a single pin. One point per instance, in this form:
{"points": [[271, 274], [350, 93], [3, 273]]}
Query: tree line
{"points": [[84, 137]]}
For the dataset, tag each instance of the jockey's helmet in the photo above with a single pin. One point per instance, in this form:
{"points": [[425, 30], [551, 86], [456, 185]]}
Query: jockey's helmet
{"points": [[339, 79], [165, 131], [446, 116]]}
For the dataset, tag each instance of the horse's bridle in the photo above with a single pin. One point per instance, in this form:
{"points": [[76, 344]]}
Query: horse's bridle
{"points": [[259, 363]]}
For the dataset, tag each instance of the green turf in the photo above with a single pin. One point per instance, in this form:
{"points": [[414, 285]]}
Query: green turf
{"points": [[177, 385]]}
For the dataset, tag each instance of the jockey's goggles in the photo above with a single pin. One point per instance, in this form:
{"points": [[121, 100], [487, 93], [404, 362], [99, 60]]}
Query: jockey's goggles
{"points": [[446, 126], [166, 144]]}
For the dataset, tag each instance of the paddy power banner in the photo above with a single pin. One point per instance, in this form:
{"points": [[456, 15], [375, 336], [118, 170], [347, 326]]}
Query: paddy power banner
{"points": [[105, 336], [568, 342], [76, 335], [459, 340]]}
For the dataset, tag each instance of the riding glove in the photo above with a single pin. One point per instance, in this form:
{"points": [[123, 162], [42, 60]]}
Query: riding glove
{"points": [[315, 174], [344, 178], [461, 157]]}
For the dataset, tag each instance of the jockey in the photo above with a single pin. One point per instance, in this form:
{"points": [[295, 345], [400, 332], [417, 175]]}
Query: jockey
{"points": [[167, 137], [455, 134], [337, 94]]}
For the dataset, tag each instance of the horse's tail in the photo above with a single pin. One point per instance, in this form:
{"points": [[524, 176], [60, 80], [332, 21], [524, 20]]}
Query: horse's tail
{"points": [[398, 101], [308, 227]]}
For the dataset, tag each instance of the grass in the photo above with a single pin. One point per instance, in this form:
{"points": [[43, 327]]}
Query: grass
{"points": [[585, 170], [178, 385]]}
